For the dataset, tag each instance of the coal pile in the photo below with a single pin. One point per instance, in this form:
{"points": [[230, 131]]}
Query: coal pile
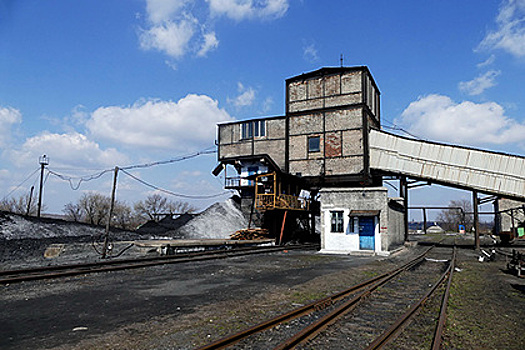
{"points": [[25, 238]]}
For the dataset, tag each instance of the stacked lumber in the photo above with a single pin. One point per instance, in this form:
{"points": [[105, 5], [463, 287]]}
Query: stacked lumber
{"points": [[250, 234]]}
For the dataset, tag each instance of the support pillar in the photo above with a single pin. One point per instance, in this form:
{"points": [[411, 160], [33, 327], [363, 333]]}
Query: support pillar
{"points": [[403, 189], [475, 203], [497, 218], [425, 220]]}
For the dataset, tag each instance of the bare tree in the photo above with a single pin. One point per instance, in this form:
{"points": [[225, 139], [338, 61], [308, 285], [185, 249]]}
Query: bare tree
{"points": [[123, 216], [19, 205], [156, 205], [451, 218], [95, 207], [73, 212]]}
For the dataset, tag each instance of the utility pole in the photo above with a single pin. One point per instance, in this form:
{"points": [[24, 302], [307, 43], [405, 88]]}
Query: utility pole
{"points": [[28, 210], [111, 206], [44, 160]]}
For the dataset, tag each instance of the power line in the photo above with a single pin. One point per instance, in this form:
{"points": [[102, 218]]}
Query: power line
{"points": [[81, 179], [76, 181], [163, 162], [20, 184], [173, 193]]}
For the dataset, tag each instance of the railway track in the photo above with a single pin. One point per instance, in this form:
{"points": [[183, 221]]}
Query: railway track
{"points": [[57, 271], [368, 315]]}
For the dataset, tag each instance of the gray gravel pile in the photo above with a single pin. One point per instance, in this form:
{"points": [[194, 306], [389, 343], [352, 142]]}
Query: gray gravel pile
{"points": [[220, 220]]}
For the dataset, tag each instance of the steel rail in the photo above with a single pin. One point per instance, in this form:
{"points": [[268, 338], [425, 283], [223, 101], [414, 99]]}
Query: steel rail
{"points": [[316, 305], [394, 330], [438, 334], [39, 273], [318, 326]]}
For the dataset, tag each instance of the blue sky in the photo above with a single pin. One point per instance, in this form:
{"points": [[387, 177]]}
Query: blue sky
{"points": [[94, 84]]}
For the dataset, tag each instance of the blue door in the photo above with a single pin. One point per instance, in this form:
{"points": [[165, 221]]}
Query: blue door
{"points": [[366, 233]]}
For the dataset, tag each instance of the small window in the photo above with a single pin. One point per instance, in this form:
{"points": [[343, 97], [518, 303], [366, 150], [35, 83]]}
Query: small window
{"points": [[247, 130], [336, 221], [314, 144], [253, 129]]}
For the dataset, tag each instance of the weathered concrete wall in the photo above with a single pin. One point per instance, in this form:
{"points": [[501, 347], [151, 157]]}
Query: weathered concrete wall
{"points": [[325, 91], [341, 149], [273, 143], [395, 235]]}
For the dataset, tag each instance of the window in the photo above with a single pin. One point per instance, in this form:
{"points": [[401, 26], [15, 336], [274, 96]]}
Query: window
{"points": [[252, 129], [247, 130], [314, 144], [336, 221]]}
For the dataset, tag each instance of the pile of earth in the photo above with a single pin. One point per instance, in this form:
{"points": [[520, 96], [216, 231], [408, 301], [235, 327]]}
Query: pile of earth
{"points": [[23, 237]]}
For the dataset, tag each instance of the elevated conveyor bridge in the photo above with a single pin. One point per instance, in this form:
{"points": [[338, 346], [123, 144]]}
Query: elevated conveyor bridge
{"points": [[462, 167]]}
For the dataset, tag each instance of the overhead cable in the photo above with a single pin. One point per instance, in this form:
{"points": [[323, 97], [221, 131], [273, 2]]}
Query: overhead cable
{"points": [[76, 181], [173, 193], [162, 162], [80, 179], [20, 184]]}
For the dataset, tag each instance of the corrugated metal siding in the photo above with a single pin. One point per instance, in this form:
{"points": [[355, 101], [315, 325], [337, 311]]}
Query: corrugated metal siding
{"points": [[479, 170]]}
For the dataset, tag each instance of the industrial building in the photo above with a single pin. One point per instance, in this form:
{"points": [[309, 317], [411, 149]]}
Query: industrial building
{"points": [[319, 153], [327, 156]]}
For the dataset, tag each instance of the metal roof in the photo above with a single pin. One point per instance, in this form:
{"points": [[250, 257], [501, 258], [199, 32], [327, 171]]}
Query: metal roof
{"points": [[484, 171]]}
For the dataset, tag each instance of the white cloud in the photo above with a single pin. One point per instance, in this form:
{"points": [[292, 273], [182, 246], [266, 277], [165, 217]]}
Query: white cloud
{"points": [[310, 53], [71, 150], [248, 9], [169, 37], [479, 84], [188, 124], [159, 11], [437, 117], [172, 25], [210, 43], [487, 62], [8, 117], [245, 98], [510, 33]]}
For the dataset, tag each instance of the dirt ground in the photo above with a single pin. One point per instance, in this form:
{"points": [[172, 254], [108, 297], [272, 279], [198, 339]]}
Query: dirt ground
{"points": [[188, 305]]}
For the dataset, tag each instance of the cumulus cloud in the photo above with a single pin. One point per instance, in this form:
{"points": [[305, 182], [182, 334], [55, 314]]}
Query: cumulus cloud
{"points": [[437, 117], [479, 84], [188, 124], [71, 150], [8, 117], [169, 37], [210, 43], [159, 11], [245, 98], [249, 9], [179, 27], [510, 32]]}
